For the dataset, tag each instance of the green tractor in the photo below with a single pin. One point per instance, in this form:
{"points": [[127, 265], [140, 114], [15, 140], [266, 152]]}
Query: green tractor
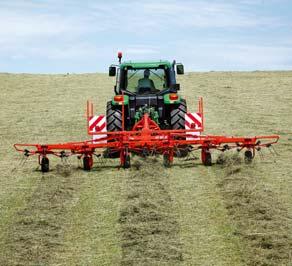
{"points": [[146, 87]]}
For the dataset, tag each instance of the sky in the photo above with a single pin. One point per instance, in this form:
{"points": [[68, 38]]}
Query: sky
{"points": [[60, 36]]}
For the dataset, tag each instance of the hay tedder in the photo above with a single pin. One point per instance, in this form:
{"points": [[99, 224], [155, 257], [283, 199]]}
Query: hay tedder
{"points": [[146, 117]]}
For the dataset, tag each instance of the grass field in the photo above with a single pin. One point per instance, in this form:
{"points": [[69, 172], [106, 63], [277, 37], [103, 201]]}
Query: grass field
{"points": [[231, 214]]}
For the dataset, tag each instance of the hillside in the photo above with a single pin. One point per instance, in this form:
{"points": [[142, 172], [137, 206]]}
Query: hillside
{"points": [[234, 214]]}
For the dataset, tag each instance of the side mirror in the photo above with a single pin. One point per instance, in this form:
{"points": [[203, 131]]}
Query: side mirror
{"points": [[175, 87], [180, 69], [112, 71]]}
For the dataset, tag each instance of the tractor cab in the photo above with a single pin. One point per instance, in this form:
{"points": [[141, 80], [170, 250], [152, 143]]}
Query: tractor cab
{"points": [[146, 78]]}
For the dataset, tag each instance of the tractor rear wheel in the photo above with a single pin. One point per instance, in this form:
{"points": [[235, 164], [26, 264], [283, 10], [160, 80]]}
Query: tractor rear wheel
{"points": [[177, 115], [113, 123], [177, 121], [113, 117]]}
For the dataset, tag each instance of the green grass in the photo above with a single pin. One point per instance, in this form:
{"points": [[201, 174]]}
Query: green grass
{"points": [[220, 213]]}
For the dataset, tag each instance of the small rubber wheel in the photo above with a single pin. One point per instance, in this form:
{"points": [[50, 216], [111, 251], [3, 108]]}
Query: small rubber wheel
{"points": [[206, 158], [45, 165], [87, 163], [166, 160], [127, 161], [248, 156]]}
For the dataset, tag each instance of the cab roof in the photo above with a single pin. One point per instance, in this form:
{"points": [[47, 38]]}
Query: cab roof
{"points": [[145, 64]]}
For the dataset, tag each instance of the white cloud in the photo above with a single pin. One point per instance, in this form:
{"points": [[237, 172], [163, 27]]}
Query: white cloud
{"points": [[223, 55], [156, 16], [266, 56], [141, 50], [27, 19], [73, 30], [198, 14], [19, 29]]}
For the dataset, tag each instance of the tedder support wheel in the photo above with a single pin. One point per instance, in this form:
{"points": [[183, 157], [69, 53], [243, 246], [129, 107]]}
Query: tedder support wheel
{"points": [[127, 163], [45, 165], [125, 159], [87, 163], [166, 160], [248, 156], [206, 157]]}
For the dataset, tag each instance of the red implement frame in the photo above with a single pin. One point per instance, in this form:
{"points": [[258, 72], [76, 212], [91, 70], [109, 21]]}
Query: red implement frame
{"points": [[147, 138]]}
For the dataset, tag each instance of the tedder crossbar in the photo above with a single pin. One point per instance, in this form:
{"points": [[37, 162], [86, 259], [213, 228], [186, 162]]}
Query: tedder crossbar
{"points": [[146, 138]]}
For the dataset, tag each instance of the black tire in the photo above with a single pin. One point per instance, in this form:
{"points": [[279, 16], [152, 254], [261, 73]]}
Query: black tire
{"points": [[177, 115], [113, 123], [177, 121], [127, 162], [206, 157], [45, 165], [166, 161], [248, 156], [87, 163], [113, 117], [208, 160]]}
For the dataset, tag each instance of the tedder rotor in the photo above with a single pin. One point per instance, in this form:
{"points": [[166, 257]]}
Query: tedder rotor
{"points": [[146, 117]]}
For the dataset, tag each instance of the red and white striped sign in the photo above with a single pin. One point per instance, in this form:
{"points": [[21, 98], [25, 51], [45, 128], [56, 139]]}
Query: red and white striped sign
{"points": [[193, 121], [97, 123]]}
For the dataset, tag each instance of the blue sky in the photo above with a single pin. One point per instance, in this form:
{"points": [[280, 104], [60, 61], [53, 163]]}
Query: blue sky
{"points": [[52, 36]]}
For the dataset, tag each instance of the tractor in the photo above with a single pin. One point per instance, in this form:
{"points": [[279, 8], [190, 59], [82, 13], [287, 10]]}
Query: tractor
{"points": [[146, 87]]}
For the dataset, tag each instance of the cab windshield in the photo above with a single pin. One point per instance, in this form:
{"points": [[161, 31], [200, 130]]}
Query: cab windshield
{"points": [[145, 81]]}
